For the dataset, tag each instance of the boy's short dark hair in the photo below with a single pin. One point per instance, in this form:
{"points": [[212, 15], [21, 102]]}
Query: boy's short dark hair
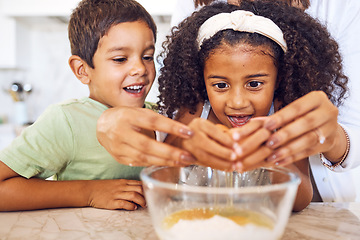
{"points": [[92, 19]]}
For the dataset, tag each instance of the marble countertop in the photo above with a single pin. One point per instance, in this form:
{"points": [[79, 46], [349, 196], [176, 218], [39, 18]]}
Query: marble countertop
{"points": [[317, 222]]}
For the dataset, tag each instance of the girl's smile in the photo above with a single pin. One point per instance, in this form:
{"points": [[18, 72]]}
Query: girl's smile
{"points": [[240, 82], [238, 121]]}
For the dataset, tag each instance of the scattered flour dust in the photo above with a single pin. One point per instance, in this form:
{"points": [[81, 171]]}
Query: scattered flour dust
{"points": [[215, 228]]}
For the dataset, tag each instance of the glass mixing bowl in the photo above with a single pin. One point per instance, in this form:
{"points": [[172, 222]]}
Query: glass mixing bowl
{"points": [[198, 202]]}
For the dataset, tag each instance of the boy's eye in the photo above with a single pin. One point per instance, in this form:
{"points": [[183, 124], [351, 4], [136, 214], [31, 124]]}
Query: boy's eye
{"points": [[120, 60], [221, 85]]}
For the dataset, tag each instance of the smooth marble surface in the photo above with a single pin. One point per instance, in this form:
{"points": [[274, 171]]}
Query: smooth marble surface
{"points": [[318, 221]]}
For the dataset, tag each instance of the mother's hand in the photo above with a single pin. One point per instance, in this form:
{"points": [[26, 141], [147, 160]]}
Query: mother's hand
{"points": [[128, 135], [305, 127]]}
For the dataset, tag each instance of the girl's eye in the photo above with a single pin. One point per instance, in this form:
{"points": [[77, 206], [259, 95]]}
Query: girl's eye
{"points": [[254, 84], [120, 60], [221, 85]]}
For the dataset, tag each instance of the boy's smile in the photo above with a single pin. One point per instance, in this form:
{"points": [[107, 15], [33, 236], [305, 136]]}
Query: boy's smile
{"points": [[124, 67], [240, 83]]}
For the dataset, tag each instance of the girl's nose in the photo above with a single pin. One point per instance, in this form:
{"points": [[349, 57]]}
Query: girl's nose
{"points": [[138, 68], [237, 100]]}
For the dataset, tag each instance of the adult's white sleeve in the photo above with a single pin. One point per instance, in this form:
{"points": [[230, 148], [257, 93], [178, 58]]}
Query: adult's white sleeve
{"points": [[183, 9], [342, 19]]}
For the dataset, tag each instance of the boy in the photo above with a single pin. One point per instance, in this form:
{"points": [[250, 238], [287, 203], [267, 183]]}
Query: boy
{"points": [[112, 46]]}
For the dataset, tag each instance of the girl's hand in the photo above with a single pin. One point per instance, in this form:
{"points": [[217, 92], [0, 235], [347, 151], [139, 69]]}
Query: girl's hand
{"points": [[116, 194], [128, 135], [250, 146], [305, 127], [210, 144]]}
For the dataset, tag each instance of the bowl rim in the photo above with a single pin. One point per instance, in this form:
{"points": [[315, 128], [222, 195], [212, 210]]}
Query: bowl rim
{"points": [[151, 183]]}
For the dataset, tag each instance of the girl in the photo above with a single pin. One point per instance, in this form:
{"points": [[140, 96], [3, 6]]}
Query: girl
{"points": [[230, 66], [342, 20]]}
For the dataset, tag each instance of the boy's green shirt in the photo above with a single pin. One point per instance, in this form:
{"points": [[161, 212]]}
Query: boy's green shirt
{"points": [[63, 143]]}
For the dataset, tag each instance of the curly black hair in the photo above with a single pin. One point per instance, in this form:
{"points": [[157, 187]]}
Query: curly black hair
{"points": [[304, 3], [312, 61]]}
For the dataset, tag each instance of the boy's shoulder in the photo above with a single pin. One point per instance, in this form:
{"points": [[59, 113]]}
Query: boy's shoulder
{"points": [[80, 103], [74, 109]]}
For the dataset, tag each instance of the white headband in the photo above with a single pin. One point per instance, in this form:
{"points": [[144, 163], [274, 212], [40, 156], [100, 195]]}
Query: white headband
{"points": [[242, 21]]}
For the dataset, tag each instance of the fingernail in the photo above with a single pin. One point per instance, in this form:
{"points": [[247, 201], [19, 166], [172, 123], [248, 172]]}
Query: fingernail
{"points": [[233, 156], [270, 124], [186, 132], [239, 167], [273, 158], [236, 136], [187, 158], [237, 149], [233, 167], [283, 162], [272, 142]]}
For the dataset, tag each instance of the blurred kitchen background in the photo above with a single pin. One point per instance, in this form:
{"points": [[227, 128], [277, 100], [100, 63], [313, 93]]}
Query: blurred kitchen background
{"points": [[34, 52]]}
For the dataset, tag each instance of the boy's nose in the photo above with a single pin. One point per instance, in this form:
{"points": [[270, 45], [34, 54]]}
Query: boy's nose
{"points": [[137, 68]]}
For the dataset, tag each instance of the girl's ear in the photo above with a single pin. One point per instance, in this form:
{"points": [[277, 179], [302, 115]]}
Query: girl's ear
{"points": [[79, 68]]}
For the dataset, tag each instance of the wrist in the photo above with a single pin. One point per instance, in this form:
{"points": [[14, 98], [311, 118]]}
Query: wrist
{"points": [[344, 145], [86, 191]]}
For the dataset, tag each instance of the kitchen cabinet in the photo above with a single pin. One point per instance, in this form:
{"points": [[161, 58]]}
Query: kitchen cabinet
{"points": [[7, 42], [38, 8], [13, 34], [23, 8], [15, 27], [14, 45]]}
